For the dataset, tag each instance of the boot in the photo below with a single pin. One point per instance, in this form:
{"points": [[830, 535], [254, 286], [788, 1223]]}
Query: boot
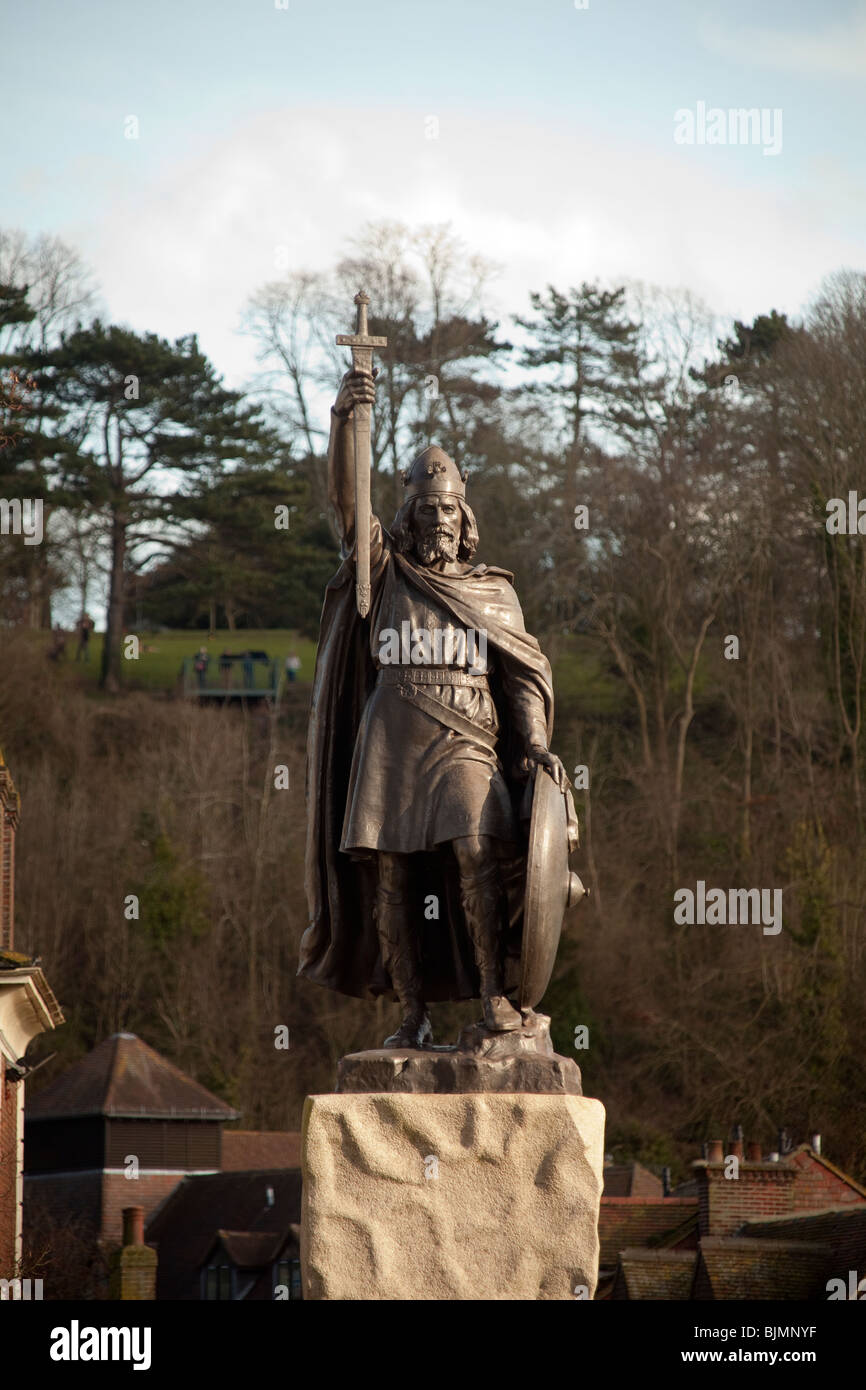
{"points": [[400, 958], [481, 897]]}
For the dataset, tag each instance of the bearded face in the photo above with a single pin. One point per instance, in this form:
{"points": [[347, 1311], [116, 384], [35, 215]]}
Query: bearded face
{"points": [[436, 527], [417, 536]]}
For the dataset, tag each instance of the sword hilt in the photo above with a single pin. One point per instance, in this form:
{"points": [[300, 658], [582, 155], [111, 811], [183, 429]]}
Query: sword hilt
{"points": [[361, 341]]}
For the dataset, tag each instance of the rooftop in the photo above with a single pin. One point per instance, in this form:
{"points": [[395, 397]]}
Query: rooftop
{"points": [[248, 1149], [253, 1215], [123, 1077]]}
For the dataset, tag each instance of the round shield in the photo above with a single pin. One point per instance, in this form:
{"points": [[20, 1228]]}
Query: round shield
{"points": [[550, 888]]}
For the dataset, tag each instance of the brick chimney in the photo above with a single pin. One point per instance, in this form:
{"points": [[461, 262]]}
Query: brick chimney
{"points": [[133, 1225], [133, 1266], [759, 1190]]}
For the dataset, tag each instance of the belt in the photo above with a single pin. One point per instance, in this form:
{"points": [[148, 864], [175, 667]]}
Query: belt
{"points": [[428, 675], [443, 714]]}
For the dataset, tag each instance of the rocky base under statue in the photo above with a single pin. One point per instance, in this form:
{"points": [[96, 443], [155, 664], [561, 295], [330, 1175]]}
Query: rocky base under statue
{"points": [[483, 1061]]}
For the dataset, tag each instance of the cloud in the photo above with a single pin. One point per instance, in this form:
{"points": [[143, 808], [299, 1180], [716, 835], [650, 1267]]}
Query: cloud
{"points": [[182, 251], [838, 50]]}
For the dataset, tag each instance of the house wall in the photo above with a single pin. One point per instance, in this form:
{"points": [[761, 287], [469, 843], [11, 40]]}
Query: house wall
{"points": [[9, 1150], [725, 1203], [818, 1187], [98, 1196], [149, 1190]]}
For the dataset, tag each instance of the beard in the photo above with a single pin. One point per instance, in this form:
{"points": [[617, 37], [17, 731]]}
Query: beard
{"points": [[439, 544]]}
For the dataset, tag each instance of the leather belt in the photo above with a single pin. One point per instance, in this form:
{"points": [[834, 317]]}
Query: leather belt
{"points": [[428, 675], [443, 714]]}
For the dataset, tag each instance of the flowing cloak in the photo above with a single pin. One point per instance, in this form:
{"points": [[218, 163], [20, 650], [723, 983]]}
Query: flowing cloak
{"points": [[340, 947]]}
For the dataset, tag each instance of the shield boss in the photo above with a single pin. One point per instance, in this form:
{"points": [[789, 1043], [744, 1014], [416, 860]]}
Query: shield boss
{"points": [[550, 888]]}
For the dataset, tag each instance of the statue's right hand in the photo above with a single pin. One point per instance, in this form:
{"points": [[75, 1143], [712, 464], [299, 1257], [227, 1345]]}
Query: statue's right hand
{"points": [[356, 388]]}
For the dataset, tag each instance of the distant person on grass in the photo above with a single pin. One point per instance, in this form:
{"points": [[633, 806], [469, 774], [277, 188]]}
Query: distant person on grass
{"points": [[293, 666], [84, 629], [202, 658]]}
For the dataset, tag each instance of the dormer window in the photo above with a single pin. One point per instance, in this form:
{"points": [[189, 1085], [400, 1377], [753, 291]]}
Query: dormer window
{"points": [[287, 1275], [218, 1283]]}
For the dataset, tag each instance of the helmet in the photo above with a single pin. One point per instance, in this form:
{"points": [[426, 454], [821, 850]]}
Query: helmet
{"points": [[434, 471]]}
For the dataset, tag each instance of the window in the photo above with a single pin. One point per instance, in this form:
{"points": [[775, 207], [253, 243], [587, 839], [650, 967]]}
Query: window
{"points": [[218, 1283], [288, 1274]]}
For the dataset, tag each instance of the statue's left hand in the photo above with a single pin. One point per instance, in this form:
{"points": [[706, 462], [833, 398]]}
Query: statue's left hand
{"points": [[542, 757]]}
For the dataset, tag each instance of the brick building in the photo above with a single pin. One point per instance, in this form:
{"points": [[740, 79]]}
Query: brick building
{"points": [[123, 1137], [780, 1227], [27, 1008], [122, 1124]]}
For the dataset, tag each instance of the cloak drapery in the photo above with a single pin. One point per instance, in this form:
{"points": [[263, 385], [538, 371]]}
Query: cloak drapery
{"points": [[340, 947]]}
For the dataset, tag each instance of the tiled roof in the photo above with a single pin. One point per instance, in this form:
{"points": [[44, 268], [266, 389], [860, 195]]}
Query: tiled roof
{"points": [[187, 1225], [736, 1267], [686, 1189], [661, 1274], [631, 1221], [123, 1076], [842, 1229], [248, 1149], [630, 1180]]}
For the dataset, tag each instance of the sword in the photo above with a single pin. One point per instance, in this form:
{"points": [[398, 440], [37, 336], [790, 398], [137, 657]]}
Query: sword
{"points": [[362, 345]]}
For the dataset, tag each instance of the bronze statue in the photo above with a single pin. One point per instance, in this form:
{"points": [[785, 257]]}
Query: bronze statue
{"points": [[431, 720]]}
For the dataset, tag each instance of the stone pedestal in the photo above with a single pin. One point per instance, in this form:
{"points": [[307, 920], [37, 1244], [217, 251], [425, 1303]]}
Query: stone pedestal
{"points": [[522, 1061], [461, 1196]]}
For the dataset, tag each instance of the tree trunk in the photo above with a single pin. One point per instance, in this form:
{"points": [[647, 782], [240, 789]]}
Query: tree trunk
{"points": [[111, 679]]}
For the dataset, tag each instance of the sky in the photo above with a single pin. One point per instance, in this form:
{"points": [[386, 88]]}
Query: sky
{"points": [[544, 133]]}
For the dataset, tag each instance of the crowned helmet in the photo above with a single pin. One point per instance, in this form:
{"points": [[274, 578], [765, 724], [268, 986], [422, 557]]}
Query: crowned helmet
{"points": [[434, 471]]}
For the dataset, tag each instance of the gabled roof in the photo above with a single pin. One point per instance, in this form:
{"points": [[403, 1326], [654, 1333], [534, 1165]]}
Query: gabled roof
{"points": [[251, 1249], [244, 1150], [123, 1077], [631, 1180], [632, 1221], [804, 1157], [202, 1208]]}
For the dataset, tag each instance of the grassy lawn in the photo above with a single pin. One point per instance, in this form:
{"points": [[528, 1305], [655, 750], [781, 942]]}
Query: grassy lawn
{"points": [[161, 654], [581, 685]]}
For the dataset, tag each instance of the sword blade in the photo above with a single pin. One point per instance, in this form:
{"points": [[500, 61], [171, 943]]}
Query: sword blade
{"points": [[361, 426]]}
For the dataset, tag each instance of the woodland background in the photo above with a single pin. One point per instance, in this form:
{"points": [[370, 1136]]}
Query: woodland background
{"points": [[705, 455]]}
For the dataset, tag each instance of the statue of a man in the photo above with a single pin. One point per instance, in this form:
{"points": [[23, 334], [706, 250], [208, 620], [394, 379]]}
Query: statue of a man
{"points": [[427, 720]]}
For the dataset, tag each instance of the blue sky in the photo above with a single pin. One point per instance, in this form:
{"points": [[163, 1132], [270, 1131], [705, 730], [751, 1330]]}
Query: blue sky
{"points": [[555, 151]]}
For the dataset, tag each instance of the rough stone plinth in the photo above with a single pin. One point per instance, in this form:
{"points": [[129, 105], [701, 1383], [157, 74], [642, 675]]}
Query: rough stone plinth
{"points": [[482, 1061], [410, 1070], [418, 1196]]}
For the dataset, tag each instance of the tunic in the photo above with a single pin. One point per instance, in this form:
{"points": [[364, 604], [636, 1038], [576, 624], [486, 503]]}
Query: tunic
{"points": [[414, 783]]}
